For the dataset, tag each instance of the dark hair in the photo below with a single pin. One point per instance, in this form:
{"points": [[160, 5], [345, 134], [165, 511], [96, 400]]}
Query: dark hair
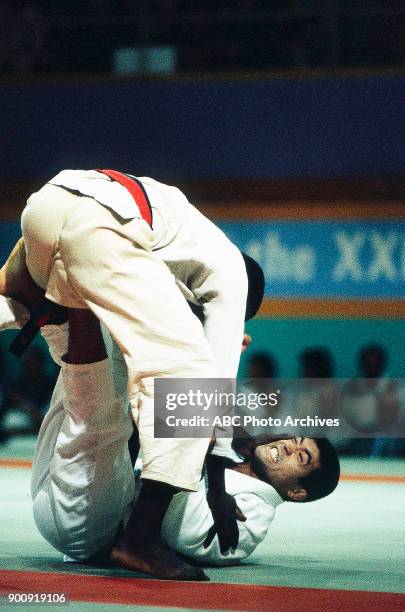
{"points": [[264, 362], [255, 286], [373, 351], [317, 362], [322, 481]]}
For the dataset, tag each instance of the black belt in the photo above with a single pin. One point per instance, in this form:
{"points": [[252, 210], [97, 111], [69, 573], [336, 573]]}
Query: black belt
{"points": [[45, 313]]}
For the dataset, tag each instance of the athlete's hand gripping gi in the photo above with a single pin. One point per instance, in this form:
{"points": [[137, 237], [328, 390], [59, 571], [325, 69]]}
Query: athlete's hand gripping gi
{"points": [[225, 512]]}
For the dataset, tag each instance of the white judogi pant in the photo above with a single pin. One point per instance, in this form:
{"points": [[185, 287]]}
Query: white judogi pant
{"points": [[86, 255], [82, 481]]}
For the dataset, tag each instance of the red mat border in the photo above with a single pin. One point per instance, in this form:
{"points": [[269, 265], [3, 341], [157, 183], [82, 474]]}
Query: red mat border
{"points": [[197, 595]]}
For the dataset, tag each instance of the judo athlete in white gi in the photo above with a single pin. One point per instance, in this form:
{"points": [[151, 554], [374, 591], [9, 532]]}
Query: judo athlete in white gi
{"points": [[83, 520], [83, 482], [91, 242]]}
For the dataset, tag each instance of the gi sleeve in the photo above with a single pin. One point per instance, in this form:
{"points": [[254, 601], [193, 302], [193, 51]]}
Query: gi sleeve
{"points": [[223, 296], [189, 519]]}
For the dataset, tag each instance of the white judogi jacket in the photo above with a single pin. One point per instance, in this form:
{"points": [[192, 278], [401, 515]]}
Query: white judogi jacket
{"points": [[208, 268], [188, 518]]}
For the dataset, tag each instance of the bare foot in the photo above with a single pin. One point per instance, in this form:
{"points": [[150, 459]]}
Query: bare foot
{"points": [[16, 281], [154, 559]]}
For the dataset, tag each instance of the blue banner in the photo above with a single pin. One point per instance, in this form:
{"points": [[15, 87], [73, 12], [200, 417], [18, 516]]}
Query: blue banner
{"points": [[322, 259], [259, 128], [331, 259]]}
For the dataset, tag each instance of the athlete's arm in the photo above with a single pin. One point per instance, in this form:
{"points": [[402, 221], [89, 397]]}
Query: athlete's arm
{"points": [[86, 344], [223, 295], [224, 509]]}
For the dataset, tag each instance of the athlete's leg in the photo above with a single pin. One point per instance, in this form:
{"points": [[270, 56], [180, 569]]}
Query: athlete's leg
{"points": [[82, 480], [136, 298], [106, 265]]}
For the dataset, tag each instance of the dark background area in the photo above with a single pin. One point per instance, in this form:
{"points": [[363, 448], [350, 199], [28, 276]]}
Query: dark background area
{"points": [[261, 111], [244, 35]]}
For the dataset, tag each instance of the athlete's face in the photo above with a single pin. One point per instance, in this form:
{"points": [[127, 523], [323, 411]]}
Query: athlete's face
{"points": [[284, 462]]}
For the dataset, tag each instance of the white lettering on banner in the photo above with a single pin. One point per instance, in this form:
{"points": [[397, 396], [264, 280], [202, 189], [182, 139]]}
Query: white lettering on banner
{"points": [[382, 264], [348, 264], [283, 263], [363, 256], [254, 249], [383, 251]]}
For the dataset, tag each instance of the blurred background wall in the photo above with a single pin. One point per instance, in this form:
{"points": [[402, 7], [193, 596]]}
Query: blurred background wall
{"points": [[263, 128], [282, 121]]}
